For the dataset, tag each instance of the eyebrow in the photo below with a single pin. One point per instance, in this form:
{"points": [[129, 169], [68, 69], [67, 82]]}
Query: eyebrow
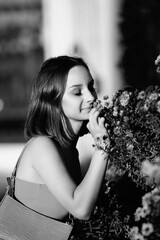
{"points": [[76, 85], [80, 85]]}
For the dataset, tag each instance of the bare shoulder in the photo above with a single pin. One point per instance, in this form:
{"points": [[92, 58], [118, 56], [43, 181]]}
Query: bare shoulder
{"points": [[45, 155], [43, 145], [43, 141], [39, 151]]}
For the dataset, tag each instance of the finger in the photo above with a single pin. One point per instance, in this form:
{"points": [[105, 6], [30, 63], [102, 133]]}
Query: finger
{"points": [[101, 122], [103, 126], [93, 117], [96, 116], [93, 110], [88, 126]]}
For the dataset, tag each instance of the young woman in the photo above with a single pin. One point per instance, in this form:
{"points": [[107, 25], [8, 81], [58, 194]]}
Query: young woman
{"points": [[48, 178]]}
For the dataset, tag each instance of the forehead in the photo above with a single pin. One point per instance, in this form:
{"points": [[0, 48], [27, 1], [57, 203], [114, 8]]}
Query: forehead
{"points": [[78, 75]]}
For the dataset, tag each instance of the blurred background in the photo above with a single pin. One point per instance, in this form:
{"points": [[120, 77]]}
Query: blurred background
{"points": [[119, 39]]}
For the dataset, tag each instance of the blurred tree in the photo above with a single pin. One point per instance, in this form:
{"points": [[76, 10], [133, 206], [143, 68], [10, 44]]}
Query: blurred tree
{"points": [[140, 24]]}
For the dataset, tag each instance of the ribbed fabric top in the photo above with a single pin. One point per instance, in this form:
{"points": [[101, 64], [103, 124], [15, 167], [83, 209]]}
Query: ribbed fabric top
{"points": [[38, 197]]}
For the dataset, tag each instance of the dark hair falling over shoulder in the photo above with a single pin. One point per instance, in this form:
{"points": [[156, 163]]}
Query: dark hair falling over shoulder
{"points": [[45, 114]]}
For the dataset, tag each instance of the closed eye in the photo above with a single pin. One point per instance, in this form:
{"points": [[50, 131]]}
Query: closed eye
{"points": [[77, 92]]}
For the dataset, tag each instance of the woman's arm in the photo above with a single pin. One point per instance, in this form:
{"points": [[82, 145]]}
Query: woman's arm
{"points": [[86, 193], [78, 200]]}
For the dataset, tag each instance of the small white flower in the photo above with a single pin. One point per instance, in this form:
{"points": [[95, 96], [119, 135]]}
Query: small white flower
{"points": [[129, 146], [134, 231], [141, 95], [147, 168], [158, 106], [146, 199], [145, 211], [121, 113], [145, 107], [135, 235], [139, 237], [124, 98], [153, 96], [147, 229], [157, 61], [115, 113], [138, 214]]}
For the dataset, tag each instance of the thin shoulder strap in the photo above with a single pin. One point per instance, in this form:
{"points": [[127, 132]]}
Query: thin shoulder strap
{"points": [[11, 180], [19, 159]]}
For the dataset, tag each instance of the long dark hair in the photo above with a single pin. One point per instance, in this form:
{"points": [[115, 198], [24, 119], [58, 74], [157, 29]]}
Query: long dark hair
{"points": [[45, 114]]}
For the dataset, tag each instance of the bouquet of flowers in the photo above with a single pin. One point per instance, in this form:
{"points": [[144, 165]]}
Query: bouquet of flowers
{"points": [[132, 118], [133, 122]]}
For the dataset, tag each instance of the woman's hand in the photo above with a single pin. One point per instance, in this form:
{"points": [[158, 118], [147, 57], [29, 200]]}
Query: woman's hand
{"points": [[96, 124], [97, 128]]}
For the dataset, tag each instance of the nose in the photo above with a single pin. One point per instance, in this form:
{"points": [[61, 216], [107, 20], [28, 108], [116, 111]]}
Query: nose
{"points": [[91, 96]]}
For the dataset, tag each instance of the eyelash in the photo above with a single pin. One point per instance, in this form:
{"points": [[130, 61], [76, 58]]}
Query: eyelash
{"points": [[91, 88], [78, 94]]}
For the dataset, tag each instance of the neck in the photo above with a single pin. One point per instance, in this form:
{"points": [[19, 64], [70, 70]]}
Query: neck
{"points": [[76, 126]]}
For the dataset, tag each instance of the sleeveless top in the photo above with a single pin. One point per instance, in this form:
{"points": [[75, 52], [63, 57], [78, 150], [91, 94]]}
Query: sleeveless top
{"points": [[38, 197]]}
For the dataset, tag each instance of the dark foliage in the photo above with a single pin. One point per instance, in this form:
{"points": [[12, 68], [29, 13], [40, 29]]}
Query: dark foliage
{"points": [[141, 41]]}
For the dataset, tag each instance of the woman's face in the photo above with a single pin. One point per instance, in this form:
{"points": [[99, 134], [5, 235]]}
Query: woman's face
{"points": [[78, 96]]}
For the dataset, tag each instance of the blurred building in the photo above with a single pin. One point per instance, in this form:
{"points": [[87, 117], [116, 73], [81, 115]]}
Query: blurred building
{"points": [[88, 28], [21, 52], [33, 30]]}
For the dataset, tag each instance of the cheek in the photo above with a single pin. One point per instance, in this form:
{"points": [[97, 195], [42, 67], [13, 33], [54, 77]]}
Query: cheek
{"points": [[71, 103], [69, 106]]}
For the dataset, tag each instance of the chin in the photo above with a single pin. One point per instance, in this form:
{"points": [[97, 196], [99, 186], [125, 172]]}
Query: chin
{"points": [[85, 119], [86, 116]]}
